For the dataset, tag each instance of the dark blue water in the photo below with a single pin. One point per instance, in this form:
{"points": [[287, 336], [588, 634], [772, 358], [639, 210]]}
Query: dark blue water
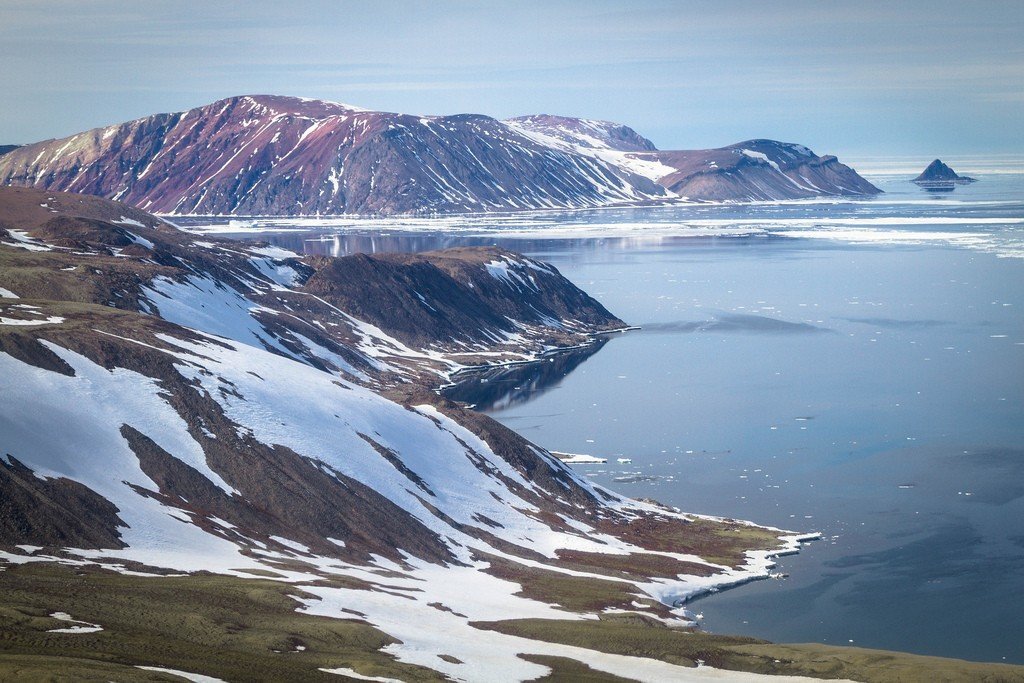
{"points": [[870, 388]]}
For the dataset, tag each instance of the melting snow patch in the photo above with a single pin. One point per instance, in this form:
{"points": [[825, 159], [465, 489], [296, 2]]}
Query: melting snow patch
{"points": [[762, 156], [52, 320], [281, 274], [23, 241], [352, 673], [205, 304], [142, 241], [195, 678], [272, 252], [504, 271], [80, 626], [294, 545], [7, 294], [129, 221]]}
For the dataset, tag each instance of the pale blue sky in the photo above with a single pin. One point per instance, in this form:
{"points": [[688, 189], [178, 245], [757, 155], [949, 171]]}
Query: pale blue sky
{"points": [[853, 78]]}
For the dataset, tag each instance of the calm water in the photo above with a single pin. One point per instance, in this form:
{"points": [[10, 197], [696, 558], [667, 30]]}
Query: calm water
{"points": [[853, 368]]}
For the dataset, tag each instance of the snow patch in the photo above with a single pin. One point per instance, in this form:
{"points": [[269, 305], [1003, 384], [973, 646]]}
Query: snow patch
{"points": [[195, 678], [130, 221], [79, 627]]}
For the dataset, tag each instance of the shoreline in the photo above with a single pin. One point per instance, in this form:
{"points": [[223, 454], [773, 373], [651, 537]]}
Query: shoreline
{"points": [[534, 358]]}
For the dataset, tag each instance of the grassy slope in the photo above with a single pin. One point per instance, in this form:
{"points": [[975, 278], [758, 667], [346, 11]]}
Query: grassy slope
{"points": [[214, 625], [230, 628], [630, 635]]}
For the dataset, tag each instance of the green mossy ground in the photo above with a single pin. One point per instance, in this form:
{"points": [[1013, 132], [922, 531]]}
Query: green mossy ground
{"points": [[249, 630], [643, 637], [219, 626]]}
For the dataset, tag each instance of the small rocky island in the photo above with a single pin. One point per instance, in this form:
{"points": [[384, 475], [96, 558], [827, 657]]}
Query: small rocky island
{"points": [[938, 177]]}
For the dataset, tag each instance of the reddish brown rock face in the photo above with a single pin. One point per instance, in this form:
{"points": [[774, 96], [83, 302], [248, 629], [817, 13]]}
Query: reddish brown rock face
{"points": [[269, 155]]}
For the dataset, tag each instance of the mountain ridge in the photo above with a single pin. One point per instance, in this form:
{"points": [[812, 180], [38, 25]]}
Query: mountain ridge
{"points": [[274, 155]]}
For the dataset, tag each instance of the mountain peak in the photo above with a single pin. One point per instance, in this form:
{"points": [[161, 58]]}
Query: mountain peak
{"points": [[587, 133], [937, 171], [286, 104]]}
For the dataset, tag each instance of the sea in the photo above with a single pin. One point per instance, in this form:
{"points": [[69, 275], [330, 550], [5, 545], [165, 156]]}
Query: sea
{"points": [[853, 367]]}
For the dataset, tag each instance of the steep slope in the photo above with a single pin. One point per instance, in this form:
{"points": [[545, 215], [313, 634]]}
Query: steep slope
{"points": [[267, 155], [755, 170], [173, 404]]}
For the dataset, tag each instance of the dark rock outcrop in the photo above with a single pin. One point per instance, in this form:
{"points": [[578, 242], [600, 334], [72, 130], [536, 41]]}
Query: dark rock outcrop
{"points": [[462, 295], [938, 172]]}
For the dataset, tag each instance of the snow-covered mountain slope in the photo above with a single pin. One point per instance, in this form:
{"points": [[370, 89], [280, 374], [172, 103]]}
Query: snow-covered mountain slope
{"points": [[271, 155], [754, 170], [168, 404], [388, 317], [585, 133], [759, 170]]}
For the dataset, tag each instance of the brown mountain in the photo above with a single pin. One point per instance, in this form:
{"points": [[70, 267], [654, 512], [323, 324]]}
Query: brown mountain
{"points": [[266, 155], [270, 155]]}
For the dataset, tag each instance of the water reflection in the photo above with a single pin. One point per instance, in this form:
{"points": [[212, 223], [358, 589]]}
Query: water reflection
{"points": [[503, 387], [572, 249], [734, 322]]}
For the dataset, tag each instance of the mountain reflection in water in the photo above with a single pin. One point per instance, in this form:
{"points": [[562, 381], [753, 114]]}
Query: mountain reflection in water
{"points": [[502, 387]]}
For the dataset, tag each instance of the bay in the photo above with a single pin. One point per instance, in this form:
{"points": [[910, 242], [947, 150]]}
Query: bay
{"points": [[849, 367]]}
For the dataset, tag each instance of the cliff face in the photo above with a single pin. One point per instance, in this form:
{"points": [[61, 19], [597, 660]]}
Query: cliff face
{"points": [[269, 155]]}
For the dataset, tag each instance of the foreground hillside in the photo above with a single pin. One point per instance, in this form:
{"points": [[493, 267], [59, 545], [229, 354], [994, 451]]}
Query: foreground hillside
{"points": [[270, 155], [224, 459]]}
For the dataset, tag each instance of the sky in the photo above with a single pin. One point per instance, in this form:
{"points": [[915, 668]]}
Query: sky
{"points": [[858, 79]]}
